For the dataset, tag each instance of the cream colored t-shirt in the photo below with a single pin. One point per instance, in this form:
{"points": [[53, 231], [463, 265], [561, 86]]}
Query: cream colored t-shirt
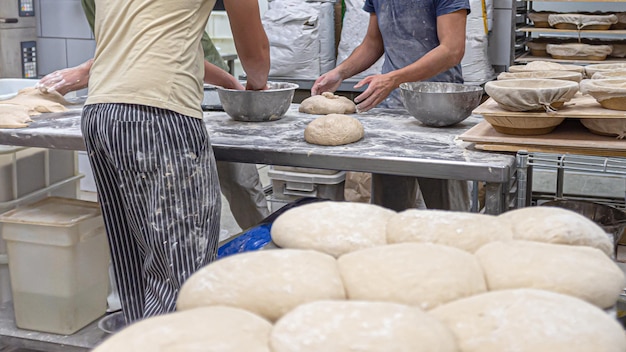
{"points": [[148, 52]]}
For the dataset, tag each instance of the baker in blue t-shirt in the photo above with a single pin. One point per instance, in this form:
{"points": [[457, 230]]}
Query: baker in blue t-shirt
{"points": [[422, 40]]}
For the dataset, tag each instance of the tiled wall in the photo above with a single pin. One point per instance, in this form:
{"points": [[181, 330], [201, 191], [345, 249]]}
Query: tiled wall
{"points": [[64, 37]]}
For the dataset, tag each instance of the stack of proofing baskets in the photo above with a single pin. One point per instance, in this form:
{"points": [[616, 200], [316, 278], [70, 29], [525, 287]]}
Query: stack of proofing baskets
{"points": [[58, 261], [292, 183]]}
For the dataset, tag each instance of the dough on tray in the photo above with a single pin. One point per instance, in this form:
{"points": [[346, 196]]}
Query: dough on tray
{"points": [[360, 326], [332, 227], [529, 320], [200, 329], [554, 267], [425, 275], [463, 230], [269, 283], [334, 129], [327, 103], [557, 225]]}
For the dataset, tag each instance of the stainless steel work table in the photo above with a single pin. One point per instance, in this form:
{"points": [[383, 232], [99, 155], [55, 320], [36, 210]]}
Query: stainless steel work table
{"points": [[394, 143]]}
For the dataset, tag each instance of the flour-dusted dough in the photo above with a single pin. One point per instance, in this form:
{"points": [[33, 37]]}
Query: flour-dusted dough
{"points": [[332, 227], [334, 129], [207, 329], [467, 231], [360, 326], [418, 274], [557, 225], [269, 283], [13, 116], [578, 271], [38, 102], [529, 320], [327, 103]]}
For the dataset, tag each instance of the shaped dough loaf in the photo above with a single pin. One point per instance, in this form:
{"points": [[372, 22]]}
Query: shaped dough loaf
{"points": [[327, 103], [334, 129]]}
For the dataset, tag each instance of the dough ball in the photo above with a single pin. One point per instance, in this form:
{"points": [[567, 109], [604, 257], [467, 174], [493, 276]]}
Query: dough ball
{"points": [[557, 225], [14, 116], [467, 231], [327, 103], [334, 129], [529, 320], [269, 283], [558, 268], [203, 329], [418, 274], [360, 326], [332, 227]]}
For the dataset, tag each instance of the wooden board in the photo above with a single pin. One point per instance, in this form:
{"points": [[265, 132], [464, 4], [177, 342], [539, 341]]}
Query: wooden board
{"points": [[581, 106], [569, 137]]}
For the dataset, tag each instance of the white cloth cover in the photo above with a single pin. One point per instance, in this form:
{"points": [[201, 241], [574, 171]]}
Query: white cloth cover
{"points": [[578, 50], [302, 37], [564, 75], [590, 70], [530, 94], [582, 20], [602, 89], [610, 74], [546, 66], [613, 127]]}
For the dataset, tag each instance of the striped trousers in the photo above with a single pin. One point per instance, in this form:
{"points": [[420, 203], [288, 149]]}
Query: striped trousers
{"points": [[159, 193]]}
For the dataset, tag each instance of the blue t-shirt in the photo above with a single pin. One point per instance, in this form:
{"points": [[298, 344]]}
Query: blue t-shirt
{"points": [[409, 31]]}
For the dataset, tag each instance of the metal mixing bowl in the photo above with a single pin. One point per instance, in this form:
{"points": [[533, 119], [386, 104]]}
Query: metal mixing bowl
{"points": [[610, 219], [112, 323], [258, 105], [440, 104]]}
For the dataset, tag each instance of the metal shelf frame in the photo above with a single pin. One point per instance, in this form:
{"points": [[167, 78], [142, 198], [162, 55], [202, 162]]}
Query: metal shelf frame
{"points": [[562, 163]]}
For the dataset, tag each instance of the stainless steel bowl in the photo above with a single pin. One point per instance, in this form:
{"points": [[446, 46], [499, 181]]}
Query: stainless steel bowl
{"points": [[112, 323], [258, 105], [440, 104], [610, 219]]}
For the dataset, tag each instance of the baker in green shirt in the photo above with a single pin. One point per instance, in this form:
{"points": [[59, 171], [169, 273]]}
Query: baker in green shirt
{"points": [[239, 182]]}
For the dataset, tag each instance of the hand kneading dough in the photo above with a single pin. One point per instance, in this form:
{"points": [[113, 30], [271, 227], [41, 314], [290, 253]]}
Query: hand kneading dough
{"points": [[269, 283], [557, 225], [334, 129], [332, 227], [207, 329], [327, 103], [467, 231], [417, 274], [327, 326], [578, 271], [528, 320]]}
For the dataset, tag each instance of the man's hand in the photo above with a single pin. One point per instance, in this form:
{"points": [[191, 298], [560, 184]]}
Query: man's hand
{"points": [[66, 80], [328, 82], [380, 86]]}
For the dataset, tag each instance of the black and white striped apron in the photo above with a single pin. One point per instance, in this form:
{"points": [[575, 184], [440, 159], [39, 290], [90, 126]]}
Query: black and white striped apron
{"points": [[159, 192]]}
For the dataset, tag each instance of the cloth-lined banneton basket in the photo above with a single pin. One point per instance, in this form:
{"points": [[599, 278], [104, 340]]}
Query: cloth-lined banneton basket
{"points": [[577, 51], [531, 94], [582, 21], [564, 75], [610, 93]]}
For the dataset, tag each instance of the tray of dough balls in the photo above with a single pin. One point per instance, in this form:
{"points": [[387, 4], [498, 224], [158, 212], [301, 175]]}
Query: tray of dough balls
{"points": [[534, 99], [359, 277]]}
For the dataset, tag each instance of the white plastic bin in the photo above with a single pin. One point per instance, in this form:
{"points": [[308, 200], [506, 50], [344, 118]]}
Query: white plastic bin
{"points": [[288, 186], [58, 261]]}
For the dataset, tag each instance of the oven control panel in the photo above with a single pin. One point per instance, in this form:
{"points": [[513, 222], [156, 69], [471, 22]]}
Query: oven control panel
{"points": [[26, 8]]}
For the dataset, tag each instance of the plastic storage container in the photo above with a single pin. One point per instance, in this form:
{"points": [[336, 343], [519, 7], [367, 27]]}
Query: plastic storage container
{"points": [[58, 260], [288, 186]]}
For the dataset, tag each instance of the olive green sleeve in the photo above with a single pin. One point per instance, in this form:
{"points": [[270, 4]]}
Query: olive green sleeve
{"points": [[89, 7], [210, 52]]}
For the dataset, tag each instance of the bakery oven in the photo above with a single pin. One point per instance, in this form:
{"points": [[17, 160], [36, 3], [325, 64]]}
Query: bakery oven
{"points": [[18, 39]]}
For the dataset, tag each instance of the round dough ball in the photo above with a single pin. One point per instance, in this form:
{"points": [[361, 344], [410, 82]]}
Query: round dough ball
{"points": [[529, 320], [553, 267], [327, 103], [332, 227], [269, 283], [360, 326], [467, 231], [557, 225], [334, 129], [203, 329], [418, 274]]}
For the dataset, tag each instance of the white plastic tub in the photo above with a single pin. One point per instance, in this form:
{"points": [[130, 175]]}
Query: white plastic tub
{"points": [[291, 185], [58, 261]]}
